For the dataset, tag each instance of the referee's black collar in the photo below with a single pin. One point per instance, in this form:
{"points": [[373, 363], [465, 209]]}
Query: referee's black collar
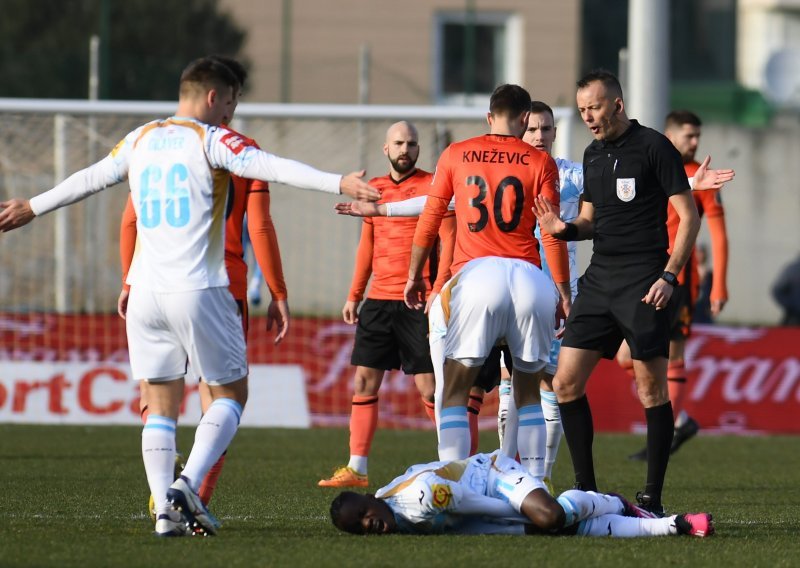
{"points": [[622, 138]]}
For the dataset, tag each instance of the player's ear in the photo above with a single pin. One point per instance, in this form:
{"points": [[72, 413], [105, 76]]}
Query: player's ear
{"points": [[619, 105], [489, 119], [385, 149], [211, 97]]}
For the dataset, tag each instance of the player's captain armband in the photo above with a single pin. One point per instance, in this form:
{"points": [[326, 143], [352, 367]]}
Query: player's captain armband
{"points": [[442, 495], [234, 142]]}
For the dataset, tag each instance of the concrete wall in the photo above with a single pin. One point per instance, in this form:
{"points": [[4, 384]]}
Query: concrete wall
{"points": [[326, 38]]}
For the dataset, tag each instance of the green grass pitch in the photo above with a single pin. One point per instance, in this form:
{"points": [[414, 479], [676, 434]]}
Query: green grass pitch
{"points": [[77, 496]]}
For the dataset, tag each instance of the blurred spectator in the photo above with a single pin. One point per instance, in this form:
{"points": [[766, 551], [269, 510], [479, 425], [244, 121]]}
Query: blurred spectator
{"points": [[702, 309], [786, 292]]}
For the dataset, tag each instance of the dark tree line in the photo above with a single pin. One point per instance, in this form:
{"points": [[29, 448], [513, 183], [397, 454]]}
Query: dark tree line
{"points": [[44, 45]]}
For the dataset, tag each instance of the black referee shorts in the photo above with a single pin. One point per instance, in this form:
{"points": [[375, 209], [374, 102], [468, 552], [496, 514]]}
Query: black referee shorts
{"points": [[609, 308], [389, 335]]}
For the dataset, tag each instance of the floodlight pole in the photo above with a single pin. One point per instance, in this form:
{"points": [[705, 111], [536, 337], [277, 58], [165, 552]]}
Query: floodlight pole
{"points": [[648, 77]]}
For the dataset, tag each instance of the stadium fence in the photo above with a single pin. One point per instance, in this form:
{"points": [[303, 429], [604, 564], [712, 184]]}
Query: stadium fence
{"points": [[60, 277]]}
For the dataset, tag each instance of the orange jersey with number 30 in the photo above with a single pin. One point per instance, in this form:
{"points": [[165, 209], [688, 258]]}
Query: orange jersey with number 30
{"points": [[495, 180]]}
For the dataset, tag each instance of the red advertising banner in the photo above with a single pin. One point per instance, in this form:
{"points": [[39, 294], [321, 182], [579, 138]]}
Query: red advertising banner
{"points": [[739, 379]]}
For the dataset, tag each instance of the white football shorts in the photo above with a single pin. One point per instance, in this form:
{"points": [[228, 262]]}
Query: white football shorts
{"points": [[168, 330], [492, 299], [511, 482]]}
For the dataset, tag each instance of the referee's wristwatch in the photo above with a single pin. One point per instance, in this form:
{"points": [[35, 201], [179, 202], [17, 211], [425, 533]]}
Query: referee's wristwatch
{"points": [[670, 278]]}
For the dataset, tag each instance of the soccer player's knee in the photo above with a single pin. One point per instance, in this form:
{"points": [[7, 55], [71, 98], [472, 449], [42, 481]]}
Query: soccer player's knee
{"points": [[236, 390], [426, 387], [565, 388], [366, 382], [552, 517], [626, 363], [543, 510]]}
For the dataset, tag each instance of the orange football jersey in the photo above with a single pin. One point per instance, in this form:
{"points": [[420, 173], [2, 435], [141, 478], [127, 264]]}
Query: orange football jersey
{"points": [[495, 179], [384, 251], [709, 205]]}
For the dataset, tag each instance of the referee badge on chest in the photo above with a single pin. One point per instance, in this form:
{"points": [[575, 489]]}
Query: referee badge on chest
{"points": [[626, 189]]}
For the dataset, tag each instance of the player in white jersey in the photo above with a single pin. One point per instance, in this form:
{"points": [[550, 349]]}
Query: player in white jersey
{"points": [[493, 494], [179, 307]]}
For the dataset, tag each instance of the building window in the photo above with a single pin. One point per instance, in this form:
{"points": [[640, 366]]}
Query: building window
{"points": [[474, 52]]}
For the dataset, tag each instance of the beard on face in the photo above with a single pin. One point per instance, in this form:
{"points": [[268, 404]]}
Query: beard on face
{"points": [[403, 167]]}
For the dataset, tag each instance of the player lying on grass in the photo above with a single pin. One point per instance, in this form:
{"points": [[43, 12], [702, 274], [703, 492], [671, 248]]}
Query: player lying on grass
{"points": [[493, 494]]}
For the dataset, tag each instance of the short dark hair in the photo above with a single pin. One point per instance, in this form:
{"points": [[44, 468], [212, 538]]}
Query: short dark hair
{"points": [[678, 118], [607, 78], [509, 100], [234, 65], [204, 74], [336, 510], [538, 107]]}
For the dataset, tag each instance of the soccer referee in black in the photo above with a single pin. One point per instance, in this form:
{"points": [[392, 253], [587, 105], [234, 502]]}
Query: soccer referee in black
{"points": [[630, 173]]}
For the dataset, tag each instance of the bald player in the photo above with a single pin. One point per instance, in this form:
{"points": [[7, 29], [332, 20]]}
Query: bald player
{"points": [[389, 335]]}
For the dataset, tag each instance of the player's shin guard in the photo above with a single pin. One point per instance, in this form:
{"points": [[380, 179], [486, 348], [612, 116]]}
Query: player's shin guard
{"points": [[503, 397], [474, 410], [576, 418], [676, 383], [582, 505], [659, 441], [213, 435], [509, 445], [626, 527], [454, 437], [532, 439], [363, 424], [158, 455], [552, 421]]}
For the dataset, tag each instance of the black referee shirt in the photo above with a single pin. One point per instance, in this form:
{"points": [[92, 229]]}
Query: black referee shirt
{"points": [[629, 181]]}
